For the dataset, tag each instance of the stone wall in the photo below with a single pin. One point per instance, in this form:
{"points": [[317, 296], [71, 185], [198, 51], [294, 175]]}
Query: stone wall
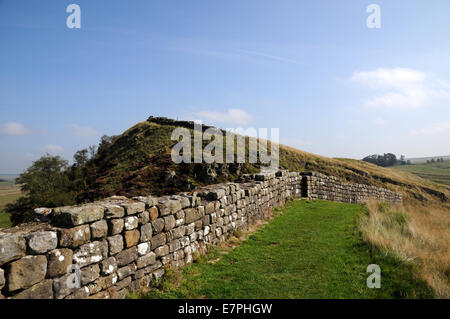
{"points": [[103, 249], [320, 186]]}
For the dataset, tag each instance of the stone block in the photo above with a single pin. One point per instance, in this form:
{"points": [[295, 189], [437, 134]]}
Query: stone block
{"points": [[26, 272], [58, 261], [42, 242]]}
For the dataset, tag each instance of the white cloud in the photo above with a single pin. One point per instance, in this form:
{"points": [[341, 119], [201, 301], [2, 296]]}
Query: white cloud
{"points": [[83, 131], [379, 121], [232, 116], [400, 88], [15, 129], [436, 128], [52, 149]]}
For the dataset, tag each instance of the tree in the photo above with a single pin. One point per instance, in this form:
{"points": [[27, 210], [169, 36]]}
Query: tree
{"points": [[387, 159], [45, 184]]}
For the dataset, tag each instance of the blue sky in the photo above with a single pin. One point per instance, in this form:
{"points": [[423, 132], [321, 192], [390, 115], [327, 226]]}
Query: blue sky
{"points": [[313, 69]]}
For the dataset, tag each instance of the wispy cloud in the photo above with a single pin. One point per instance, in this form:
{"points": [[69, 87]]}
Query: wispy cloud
{"points": [[379, 121], [231, 116], [83, 131], [238, 54], [270, 57], [53, 149], [14, 129], [400, 88], [436, 128]]}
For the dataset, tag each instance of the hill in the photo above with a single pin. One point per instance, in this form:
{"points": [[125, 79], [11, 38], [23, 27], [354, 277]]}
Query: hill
{"points": [[138, 162], [422, 160], [436, 172]]}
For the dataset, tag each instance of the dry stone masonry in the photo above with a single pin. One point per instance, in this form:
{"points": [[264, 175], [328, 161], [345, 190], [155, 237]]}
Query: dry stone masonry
{"points": [[106, 248], [320, 186]]}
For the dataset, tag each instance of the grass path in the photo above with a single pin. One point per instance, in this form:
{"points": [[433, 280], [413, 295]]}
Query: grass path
{"points": [[312, 250]]}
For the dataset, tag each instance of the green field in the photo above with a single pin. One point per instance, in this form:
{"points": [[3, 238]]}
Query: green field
{"points": [[436, 172], [9, 193], [312, 250]]}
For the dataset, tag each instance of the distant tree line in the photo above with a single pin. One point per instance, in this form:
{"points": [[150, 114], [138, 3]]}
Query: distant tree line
{"points": [[386, 160], [51, 182], [437, 160]]}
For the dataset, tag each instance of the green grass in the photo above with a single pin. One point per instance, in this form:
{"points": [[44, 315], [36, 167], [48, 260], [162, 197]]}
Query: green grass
{"points": [[437, 172], [8, 194], [4, 220], [312, 250]]}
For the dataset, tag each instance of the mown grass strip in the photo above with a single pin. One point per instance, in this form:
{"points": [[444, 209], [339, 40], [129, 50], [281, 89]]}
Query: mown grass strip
{"points": [[312, 250]]}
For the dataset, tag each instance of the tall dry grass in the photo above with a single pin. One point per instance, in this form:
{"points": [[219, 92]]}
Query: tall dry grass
{"points": [[417, 235]]}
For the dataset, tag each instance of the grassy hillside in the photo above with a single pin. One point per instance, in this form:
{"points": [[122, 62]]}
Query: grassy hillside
{"points": [[138, 161], [310, 251], [9, 192], [436, 172]]}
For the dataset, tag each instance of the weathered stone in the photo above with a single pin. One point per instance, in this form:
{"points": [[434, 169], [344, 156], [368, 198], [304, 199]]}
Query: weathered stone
{"points": [[42, 214], [2, 279], [174, 245], [110, 293], [132, 207], [113, 211], [158, 225], [108, 266], [149, 201], [169, 222], [153, 211], [177, 232], [79, 215], [144, 248], [74, 237], [89, 274], [192, 214], [158, 240], [146, 260], [41, 242], [126, 271], [131, 238], [99, 229], [215, 194], [81, 293], [159, 273], [115, 244], [115, 226], [146, 232], [127, 256], [58, 261], [144, 218], [90, 253], [123, 283], [67, 284], [210, 207], [26, 272], [12, 247], [131, 222], [190, 228], [103, 283], [168, 206], [42, 290], [162, 251]]}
